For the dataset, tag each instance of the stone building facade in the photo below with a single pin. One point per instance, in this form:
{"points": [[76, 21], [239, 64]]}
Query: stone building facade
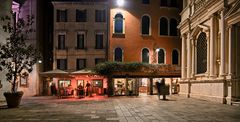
{"points": [[79, 41], [210, 50], [22, 8], [80, 34]]}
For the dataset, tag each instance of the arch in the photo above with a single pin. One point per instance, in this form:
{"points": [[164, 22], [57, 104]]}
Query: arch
{"points": [[118, 23], [175, 57], [163, 26], [161, 56], [146, 24], [118, 54], [173, 27], [145, 55], [201, 53]]}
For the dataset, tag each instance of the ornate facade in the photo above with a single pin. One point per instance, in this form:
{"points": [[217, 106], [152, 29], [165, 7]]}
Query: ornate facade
{"points": [[210, 32]]}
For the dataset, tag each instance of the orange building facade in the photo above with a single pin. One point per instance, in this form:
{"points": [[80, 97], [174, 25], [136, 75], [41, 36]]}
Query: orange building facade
{"points": [[144, 31], [136, 16]]}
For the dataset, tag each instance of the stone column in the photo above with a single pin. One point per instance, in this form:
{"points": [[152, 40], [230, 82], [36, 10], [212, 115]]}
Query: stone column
{"points": [[208, 52], [222, 55], [183, 57], [193, 57], [212, 46], [230, 44], [188, 56]]}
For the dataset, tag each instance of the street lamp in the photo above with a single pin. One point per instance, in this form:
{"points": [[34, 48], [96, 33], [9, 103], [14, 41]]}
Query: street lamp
{"points": [[120, 2]]}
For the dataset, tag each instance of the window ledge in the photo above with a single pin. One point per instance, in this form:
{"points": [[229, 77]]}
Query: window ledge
{"points": [[118, 35]]}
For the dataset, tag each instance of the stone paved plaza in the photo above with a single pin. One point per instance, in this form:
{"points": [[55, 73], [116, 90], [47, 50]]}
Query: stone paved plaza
{"points": [[123, 109]]}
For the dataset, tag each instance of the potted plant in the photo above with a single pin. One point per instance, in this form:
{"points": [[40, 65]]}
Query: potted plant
{"points": [[17, 57]]}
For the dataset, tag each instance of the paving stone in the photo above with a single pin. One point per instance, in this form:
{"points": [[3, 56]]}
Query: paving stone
{"points": [[120, 109]]}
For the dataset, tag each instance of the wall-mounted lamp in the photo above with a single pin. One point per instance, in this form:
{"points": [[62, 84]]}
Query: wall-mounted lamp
{"points": [[39, 61]]}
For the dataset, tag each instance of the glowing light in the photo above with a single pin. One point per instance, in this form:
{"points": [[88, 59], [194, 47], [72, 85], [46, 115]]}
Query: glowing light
{"points": [[40, 61], [120, 2], [157, 50]]}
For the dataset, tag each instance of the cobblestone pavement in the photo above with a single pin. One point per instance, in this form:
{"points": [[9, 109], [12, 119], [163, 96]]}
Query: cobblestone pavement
{"points": [[123, 109]]}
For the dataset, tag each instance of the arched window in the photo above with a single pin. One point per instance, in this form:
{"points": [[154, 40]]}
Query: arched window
{"points": [[201, 53], [118, 54], [175, 57], [163, 26], [145, 25], [161, 56], [118, 23], [145, 55], [173, 27]]}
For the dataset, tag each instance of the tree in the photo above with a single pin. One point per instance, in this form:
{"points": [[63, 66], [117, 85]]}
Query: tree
{"points": [[17, 56]]}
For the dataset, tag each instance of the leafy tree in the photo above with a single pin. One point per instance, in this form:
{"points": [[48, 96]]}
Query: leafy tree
{"points": [[17, 56]]}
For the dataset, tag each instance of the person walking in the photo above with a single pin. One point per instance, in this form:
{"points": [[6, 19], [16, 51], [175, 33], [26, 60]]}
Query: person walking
{"points": [[158, 89], [163, 86], [87, 88]]}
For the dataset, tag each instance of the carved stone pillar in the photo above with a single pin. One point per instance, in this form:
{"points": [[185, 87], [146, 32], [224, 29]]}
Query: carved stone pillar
{"points": [[222, 43], [189, 61], [230, 45], [193, 56], [183, 68], [212, 46]]}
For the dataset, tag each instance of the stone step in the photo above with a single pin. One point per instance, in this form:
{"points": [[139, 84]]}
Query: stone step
{"points": [[236, 103]]}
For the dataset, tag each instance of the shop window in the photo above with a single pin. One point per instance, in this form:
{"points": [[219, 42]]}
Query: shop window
{"points": [[118, 24], [80, 40], [145, 55], [161, 56], [99, 41], [100, 15], [80, 83], [62, 64], [173, 27], [175, 57], [64, 83], [163, 26], [81, 15], [201, 53], [120, 86], [61, 15], [81, 64], [97, 83], [145, 25], [61, 42], [118, 55]]}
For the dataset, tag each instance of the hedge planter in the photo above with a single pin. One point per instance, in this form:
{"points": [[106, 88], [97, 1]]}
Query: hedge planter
{"points": [[13, 99]]}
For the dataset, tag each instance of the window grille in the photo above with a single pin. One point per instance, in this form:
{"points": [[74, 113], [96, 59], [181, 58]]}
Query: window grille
{"points": [[201, 53], [118, 24]]}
